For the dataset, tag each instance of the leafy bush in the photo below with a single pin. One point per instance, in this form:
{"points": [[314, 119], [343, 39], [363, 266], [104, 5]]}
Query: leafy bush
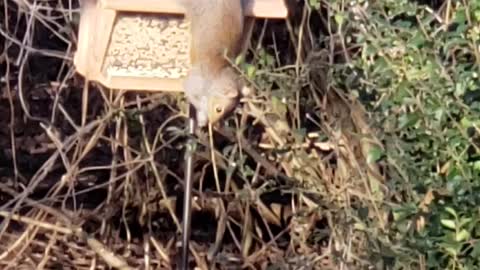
{"points": [[415, 65]]}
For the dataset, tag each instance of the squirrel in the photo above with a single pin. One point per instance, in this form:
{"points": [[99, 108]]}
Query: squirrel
{"points": [[212, 85]]}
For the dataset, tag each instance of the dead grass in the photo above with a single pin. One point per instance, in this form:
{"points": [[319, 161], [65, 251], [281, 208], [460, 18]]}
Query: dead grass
{"points": [[93, 179]]}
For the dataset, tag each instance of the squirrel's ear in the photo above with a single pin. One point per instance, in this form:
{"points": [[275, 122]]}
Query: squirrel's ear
{"points": [[227, 89], [231, 93], [224, 91]]}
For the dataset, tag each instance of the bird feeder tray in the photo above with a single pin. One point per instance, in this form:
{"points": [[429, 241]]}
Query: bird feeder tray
{"points": [[144, 44]]}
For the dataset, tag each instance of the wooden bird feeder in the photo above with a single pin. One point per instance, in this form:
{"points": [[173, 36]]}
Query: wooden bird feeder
{"points": [[144, 44]]}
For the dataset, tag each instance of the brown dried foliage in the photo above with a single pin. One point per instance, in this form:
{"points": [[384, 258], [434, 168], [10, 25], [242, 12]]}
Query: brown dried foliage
{"points": [[91, 178]]}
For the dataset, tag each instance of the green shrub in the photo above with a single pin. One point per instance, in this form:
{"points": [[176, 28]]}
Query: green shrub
{"points": [[421, 65]]}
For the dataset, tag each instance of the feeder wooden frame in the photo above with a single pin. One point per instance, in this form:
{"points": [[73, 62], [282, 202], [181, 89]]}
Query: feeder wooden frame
{"points": [[96, 29]]}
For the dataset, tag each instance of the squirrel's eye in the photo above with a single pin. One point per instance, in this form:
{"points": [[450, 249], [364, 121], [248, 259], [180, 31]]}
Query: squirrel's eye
{"points": [[218, 109]]}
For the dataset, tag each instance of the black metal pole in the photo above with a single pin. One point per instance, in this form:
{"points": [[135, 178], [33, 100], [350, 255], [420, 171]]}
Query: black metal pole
{"points": [[187, 196]]}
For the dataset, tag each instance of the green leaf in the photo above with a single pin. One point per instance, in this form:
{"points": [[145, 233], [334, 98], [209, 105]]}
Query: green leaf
{"points": [[408, 120], [476, 166], [449, 223], [339, 19], [251, 71], [464, 221], [477, 15], [462, 235], [476, 250], [278, 107], [238, 60], [374, 154], [451, 211], [314, 3]]}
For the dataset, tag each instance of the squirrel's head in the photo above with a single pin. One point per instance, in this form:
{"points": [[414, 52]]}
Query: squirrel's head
{"points": [[213, 97], [223, 95]]}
